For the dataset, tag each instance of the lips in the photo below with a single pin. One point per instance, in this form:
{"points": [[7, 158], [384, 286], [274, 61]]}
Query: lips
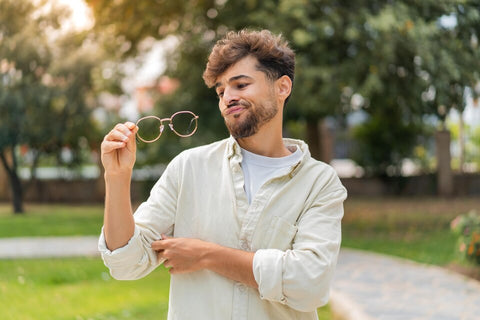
{"points": [[235, 108]]}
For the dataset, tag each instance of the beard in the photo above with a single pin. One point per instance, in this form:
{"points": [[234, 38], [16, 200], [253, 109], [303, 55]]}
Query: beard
{"points": [[254, 119]]}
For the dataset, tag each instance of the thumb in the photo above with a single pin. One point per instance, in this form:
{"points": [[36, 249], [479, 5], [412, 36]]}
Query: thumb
{"points": [[131, 143]]}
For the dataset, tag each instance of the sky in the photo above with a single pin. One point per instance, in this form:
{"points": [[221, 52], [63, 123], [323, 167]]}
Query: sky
{"points": [[82, 17]]}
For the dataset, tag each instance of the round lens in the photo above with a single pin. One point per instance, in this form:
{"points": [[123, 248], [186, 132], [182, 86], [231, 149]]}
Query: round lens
{"points": [[149, 128], [184, 123]]}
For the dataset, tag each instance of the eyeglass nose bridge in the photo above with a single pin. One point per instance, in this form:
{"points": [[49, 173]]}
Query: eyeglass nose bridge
{"points": [[162, 127]]}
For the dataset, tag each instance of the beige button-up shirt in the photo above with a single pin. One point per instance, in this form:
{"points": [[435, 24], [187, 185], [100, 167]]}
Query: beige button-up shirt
{"points": [[292, 225]]}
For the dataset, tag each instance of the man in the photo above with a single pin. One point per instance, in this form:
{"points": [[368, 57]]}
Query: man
{"points": [[249, 226]]}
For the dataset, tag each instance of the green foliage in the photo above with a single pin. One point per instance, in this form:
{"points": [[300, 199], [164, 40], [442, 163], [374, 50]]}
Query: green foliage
{"points": [[383, 142], [471, 139], [467, 228], [46, 97], [45, 83], [392, 59], [475, 145]]}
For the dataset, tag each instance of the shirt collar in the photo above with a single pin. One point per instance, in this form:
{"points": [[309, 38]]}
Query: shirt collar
{"points": [[234, 151]]}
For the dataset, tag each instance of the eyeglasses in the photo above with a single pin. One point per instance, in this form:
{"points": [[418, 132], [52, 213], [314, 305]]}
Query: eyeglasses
{"points": [[182, 123]]}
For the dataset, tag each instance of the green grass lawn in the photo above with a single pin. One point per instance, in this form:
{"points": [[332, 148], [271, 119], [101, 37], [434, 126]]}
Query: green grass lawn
{"points": [[79, 288], [51, 220], [412, 228]]}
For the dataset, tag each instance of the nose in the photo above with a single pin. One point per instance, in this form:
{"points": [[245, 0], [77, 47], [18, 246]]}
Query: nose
{"points": [[230, 96]]}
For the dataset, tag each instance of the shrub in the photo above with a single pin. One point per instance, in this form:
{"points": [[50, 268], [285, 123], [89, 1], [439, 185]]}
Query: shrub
{"points": [[467, 228]]}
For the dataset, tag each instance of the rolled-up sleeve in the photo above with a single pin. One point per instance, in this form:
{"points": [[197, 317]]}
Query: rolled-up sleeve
{"points": [[300, 277], [132, 261], [153, 218]]}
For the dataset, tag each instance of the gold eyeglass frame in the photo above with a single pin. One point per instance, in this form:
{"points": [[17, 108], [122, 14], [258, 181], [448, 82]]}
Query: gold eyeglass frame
{"points": [[162, 127]]}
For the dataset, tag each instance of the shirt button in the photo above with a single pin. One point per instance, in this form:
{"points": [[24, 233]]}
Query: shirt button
{"points": [[243, 245], [241, 288]]}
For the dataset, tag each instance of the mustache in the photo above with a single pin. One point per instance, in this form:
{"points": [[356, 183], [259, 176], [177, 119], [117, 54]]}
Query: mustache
{"points": [[238, 103], [233, 104]]}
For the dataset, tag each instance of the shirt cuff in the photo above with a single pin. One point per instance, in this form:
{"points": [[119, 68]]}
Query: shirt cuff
{"points": [[131, 252], [268, 272]]}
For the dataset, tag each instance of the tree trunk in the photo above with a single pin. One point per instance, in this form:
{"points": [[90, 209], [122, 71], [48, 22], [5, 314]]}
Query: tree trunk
{"points": [[461, 142], [15, 183], [100, 184], [444, 169], [17, 193], [313, 138], [319, 140], [4, 184]]}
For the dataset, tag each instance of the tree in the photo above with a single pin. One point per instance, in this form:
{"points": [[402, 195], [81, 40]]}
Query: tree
{"points": [[44, 87], [419, 66], [380, 56], [451, 66]]}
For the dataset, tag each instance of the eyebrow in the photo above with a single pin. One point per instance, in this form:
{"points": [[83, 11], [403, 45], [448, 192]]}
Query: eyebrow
{"points": [[241, 76]]}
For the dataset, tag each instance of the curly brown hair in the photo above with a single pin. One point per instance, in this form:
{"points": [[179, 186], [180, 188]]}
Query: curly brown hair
{"points": [[274, 55]]}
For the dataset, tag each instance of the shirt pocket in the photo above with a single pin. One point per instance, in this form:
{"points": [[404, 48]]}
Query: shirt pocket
{"points": [[280, 234]]}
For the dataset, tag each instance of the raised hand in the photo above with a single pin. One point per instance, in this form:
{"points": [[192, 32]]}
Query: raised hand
{"points": [[118, 149]]}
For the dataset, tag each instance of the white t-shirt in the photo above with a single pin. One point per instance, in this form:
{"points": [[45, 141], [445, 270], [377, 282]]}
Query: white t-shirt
{"points": [[259, 169]]}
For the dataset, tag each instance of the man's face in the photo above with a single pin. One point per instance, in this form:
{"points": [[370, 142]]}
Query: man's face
{"points": [[247, 98]]}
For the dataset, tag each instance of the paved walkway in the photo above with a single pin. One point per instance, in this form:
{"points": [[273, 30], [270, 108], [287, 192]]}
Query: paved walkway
{"points": [[373, 286], [48, 247], [366, 286]]}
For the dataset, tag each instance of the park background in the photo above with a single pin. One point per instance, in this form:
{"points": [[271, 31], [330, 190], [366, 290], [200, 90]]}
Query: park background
{"points": [[387, 92]]}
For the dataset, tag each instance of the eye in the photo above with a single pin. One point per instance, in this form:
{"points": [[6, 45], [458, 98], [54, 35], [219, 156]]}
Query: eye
{"points": [[220, 94], [242, 85]]}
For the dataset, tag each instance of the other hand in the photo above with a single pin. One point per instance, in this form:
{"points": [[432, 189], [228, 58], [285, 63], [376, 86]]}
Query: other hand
{"points": [[182, 255]]}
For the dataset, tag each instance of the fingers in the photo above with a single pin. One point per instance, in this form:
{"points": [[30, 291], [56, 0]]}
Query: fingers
{"points": [[177, 254], [131, 143], [122, 135], [122, 132], [157, 245], [118, 135], [109, 146], [160, 246]]}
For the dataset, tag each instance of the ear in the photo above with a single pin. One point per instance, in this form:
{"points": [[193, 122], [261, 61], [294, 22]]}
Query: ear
{"points": [[284, 87]]}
